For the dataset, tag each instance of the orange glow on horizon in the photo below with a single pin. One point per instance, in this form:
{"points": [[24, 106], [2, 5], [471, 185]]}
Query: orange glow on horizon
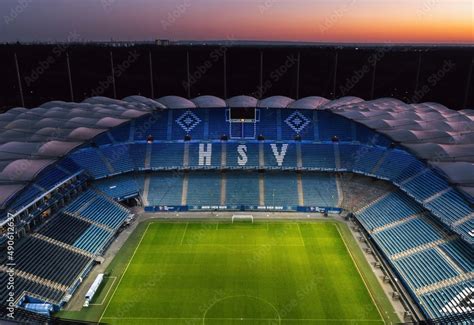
{"points": [[403, 33], [367, 21], [383, 21]]}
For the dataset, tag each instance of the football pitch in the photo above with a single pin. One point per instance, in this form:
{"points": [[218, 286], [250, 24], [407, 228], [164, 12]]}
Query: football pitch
{"points": [[241, 273]]}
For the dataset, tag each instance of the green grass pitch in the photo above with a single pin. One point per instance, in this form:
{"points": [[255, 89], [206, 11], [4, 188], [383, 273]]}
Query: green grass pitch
{"points": [[241, 273]]}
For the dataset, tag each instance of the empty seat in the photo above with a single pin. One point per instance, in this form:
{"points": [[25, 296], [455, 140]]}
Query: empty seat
{"points": [[281, 189], [166, 188], [242, 188], [204, 188], [319, 189]]}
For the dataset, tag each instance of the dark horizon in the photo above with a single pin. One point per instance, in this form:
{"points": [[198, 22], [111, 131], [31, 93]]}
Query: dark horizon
{"points": [[73, 72], [211, 42]]}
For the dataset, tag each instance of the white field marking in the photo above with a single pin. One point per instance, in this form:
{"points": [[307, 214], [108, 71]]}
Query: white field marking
{"points": [[125, 271], [184, 233], [360, 274], [111, 286], [239, 296], [301, 235], [252, 246], [242, 245], [252, 319]]}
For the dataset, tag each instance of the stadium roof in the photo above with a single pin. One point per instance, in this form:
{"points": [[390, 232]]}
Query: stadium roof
{"points": [[32, 139]]}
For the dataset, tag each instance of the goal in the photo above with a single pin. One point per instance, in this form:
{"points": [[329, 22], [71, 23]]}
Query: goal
{"points": [[242, 218]]}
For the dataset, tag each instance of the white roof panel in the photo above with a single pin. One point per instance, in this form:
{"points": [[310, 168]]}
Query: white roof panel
{"points": [[430, 130]]}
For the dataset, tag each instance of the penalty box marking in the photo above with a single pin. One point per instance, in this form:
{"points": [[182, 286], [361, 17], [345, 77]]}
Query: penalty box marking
{"points": [[111, 286]]}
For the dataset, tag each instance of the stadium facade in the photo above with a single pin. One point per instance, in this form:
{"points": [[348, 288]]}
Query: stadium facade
{"points": [[63, 163]]}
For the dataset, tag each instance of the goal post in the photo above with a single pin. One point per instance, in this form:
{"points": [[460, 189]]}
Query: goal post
{"points": [[242, 218]]}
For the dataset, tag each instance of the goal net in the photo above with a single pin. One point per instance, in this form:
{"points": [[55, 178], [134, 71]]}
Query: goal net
{"points": [[242, 218]]}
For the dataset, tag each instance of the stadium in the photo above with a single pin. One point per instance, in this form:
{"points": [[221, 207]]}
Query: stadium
{"points": [[241, 210]]}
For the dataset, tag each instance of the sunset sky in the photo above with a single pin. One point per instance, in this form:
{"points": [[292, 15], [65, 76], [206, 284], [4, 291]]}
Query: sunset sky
{"points": [[381, 21]]}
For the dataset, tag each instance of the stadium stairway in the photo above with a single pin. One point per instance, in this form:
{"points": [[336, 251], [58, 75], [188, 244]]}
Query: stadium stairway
{"points": [[461, 253], [372, 203], [419, 248], [445, 283], [63, 245], [299, 182], [146, 189], [92, 222], [223, 155], [83, 198], [148, 156], [108, 198], [93, 240], [433, 244], [340, 193], [421, 172], [131, 135], [186, 155], [106, 162], [112, 202], [118, 158], [223, 188], [111, 137], [261, 156], [184, 195], [87, 205], [90, 199], [436, 195], [449, 299], [261, 189], [89, 160], [34, 278], [417, 275], [380, 162], [448, 258], [394, 224], [337, 156], [463, 220], [299, 160]]}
